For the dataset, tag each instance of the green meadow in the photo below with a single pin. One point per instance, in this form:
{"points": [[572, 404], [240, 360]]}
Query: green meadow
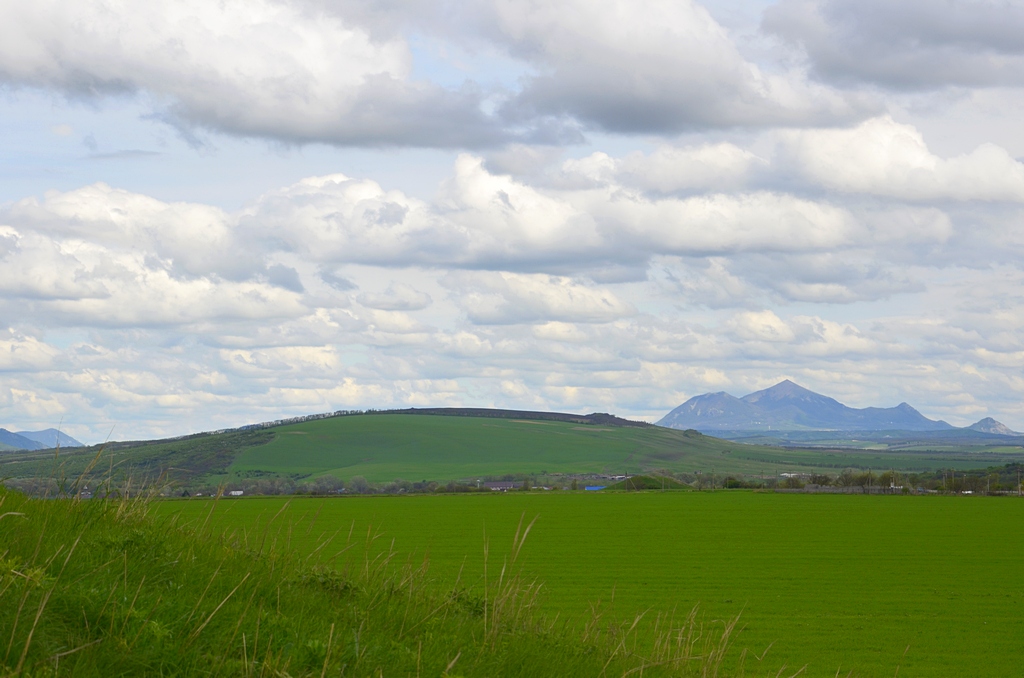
{"points": [[928, 586], [99, 588]]}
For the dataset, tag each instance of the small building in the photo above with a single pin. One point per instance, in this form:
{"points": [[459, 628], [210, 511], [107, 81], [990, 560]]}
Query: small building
{"points": [[502, 486], [236, 493], [594, 488]]}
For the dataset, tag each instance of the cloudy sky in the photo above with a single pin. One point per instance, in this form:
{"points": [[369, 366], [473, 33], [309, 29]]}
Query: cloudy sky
{"points": [[219, 213]]}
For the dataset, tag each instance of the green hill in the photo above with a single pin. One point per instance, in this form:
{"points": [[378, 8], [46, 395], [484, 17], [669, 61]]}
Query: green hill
{"points": [[414, 447], [447, 445], [384, 447]]}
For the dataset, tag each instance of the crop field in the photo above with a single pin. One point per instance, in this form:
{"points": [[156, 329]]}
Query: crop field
{"points": [[414, 447], [868, 584]]}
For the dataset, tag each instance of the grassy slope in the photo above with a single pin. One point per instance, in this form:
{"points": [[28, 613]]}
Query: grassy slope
{"points": [[842, 582], [98, 589], [415, 447]]}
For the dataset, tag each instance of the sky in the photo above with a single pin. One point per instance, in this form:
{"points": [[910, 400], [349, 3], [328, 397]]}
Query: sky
{"points": [[213, 214]]}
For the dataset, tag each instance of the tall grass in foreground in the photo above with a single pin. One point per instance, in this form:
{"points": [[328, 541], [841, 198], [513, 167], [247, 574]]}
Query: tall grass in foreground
{"points": [[97, 588]]}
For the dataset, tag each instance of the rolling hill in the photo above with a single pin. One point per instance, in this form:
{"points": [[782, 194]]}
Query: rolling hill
{"points": [[446, 445]]}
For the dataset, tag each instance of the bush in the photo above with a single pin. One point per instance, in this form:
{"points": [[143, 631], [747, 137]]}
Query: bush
{"points": [[733, 483]]}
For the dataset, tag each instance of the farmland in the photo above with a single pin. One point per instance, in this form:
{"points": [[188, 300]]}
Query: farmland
{"points": [[834, 582]]}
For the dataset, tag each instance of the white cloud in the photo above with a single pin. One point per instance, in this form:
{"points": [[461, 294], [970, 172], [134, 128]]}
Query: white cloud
{"points": [[19, 352], [761, 326], [666, 67], [883, 157], [188, 239], [261, 68], [721, 166], [336, 292], [483, 220], [344, 73], [509, 298]]}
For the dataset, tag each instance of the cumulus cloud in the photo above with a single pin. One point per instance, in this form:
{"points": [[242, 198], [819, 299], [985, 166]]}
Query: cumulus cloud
{"points": [[883, 157], [508, 298], [344, 73], [188, 239], [485, 220], [104, 257], [265, 68], [666, 67], [761, 326], [337, 292], [906, 45], [19, 352]]}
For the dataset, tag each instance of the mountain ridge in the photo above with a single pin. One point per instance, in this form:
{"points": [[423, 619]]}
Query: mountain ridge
{"points": [[787, 406], [36, 440]]}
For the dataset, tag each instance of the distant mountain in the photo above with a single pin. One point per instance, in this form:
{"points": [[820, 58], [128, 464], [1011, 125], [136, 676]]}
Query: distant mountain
{"points": [[789, 406], [18, 442], [36, 440], [51, 437], [990, 425]]}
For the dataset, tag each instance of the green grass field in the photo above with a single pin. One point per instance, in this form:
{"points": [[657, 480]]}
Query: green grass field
{"points": [[99, 589], [835, 582]]}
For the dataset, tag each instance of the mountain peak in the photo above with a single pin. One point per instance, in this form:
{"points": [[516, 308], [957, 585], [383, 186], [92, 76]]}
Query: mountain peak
{"points": [[788, 406], [990, 425], [787, 390]]}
